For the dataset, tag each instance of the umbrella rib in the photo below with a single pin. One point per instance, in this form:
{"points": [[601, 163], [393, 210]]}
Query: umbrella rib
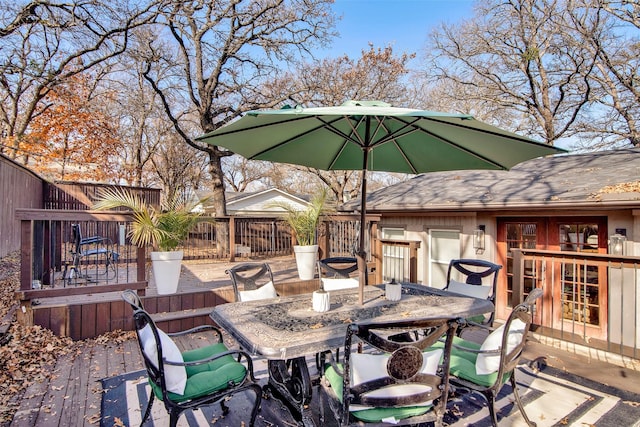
{"points": [[353, 137], [349, 137], [250, 128], [458, 146], [325, 124]]}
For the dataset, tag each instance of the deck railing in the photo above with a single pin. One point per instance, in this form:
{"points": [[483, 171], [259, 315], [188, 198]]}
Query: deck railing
{"points": [[589, 299], [399, 260], [50, 258]]}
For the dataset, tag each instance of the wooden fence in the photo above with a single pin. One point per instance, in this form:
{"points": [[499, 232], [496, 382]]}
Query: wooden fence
{"points": [[19, 188], [81, 196]]}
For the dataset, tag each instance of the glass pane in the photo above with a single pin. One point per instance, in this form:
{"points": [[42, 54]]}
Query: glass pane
{"points": [[520, 236], [445, 245], [392, 233], [439, 274]]}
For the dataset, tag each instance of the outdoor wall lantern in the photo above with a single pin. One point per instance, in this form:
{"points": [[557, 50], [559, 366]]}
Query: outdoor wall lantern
{"points": [[617, 242], [478, 238]]}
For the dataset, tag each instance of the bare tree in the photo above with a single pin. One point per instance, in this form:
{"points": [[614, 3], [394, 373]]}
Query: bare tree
{"points": [[178, 169], [378, 74], [44, 43], [242, 174], [210, 63], [522, 56], [610, 30]]}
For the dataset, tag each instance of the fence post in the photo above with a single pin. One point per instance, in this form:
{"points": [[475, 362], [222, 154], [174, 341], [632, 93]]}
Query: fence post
{"points": [[518, 277], [377, 256], [232, 238], [141, 262], [413, 261], [323, 240]]}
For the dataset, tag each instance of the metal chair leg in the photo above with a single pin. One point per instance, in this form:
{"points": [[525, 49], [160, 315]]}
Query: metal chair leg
{"points": [[173, 418], [258, 402], [519, 401], [491, 402], [147, 412]]}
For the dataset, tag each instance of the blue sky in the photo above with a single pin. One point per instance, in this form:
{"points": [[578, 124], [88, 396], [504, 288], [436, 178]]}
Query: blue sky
{"points": [[402, 23]]}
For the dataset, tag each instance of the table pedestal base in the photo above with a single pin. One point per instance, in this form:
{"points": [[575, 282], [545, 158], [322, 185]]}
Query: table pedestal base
{"points": [[290, 380]]}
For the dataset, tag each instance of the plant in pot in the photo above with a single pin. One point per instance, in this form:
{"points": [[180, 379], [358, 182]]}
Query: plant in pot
{"points": [[304, 224], [162, 229]]}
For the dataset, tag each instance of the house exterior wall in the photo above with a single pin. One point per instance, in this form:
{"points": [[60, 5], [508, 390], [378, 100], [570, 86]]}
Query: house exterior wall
{"points": [[259, 204], [418, 228], [623, 283]]}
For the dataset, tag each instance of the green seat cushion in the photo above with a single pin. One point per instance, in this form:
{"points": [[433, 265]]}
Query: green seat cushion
{"points": [[374, 414], [459, 342], [463, 367], [476, 319], [208, 382], [209, 377], [205, 353]]}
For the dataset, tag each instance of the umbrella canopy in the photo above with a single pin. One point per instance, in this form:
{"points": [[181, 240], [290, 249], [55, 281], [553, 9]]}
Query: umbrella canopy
{"points": [[374, 136]]}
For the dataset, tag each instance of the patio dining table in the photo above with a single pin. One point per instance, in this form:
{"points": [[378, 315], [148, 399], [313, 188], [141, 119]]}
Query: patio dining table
{"points": [[285, 330]]}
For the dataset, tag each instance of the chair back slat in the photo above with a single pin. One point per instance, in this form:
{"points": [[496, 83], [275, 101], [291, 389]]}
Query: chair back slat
{"points": [[249, 277], [476, 272]]}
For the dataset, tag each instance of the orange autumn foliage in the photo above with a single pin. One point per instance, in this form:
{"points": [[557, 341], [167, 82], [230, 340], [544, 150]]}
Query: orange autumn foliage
{"points": [[71, 138]]}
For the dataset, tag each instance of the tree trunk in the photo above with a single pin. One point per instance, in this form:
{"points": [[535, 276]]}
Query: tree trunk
{"points": [[217, 180]]}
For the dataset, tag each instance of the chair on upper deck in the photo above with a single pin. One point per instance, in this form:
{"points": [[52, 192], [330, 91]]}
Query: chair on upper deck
{"points": [[475, 278], [190, 379], [335, 273], [397, 382], [252, 281], [486, 367], [98, 249]]}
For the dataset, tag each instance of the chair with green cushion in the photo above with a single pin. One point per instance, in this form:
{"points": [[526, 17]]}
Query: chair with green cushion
{"points": [[194, 378], [400, 383], [486, 367], [475, 278]]}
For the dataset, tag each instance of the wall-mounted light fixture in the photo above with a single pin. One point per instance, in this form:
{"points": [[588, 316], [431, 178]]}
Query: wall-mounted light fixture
{"points": [[617, 241], [478, 238]]}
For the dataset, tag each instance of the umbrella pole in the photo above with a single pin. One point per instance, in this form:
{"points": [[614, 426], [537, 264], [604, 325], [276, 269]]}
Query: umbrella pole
{"points": [[361, 256]]}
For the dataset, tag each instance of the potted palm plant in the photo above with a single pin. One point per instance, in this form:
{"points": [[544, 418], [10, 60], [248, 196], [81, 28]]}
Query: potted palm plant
{"points": [[162, 229], [304, 224]]}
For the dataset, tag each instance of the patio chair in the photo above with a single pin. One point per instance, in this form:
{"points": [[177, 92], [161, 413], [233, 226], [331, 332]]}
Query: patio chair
{"points": [[395, 383], [97, 249], [252, 281], [475, 278], [486, 367], [334, 273], [194, 378]]}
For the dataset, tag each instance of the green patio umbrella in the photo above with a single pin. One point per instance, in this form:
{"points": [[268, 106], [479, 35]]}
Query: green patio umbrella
{"points": [[374, 136]]}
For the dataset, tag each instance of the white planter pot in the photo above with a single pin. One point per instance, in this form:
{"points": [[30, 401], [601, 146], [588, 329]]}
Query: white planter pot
{"points": [[306, 259], [166, 271]]}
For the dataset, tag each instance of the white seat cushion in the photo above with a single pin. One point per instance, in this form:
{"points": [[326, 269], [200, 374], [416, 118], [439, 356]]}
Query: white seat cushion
{"points": [[475, 291], [175, 376], [368, 367], [337, 284], [489, 363], [263, 292]]}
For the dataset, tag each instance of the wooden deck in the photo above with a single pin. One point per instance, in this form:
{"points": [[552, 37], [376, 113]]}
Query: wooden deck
{"points": [[73, 395]]}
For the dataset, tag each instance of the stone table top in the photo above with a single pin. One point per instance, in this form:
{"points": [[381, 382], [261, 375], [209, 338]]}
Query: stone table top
{"points": [[287, 327]]}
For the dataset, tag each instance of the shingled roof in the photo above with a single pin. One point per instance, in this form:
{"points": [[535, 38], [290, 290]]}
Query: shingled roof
{"points": [[598, 179]]}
